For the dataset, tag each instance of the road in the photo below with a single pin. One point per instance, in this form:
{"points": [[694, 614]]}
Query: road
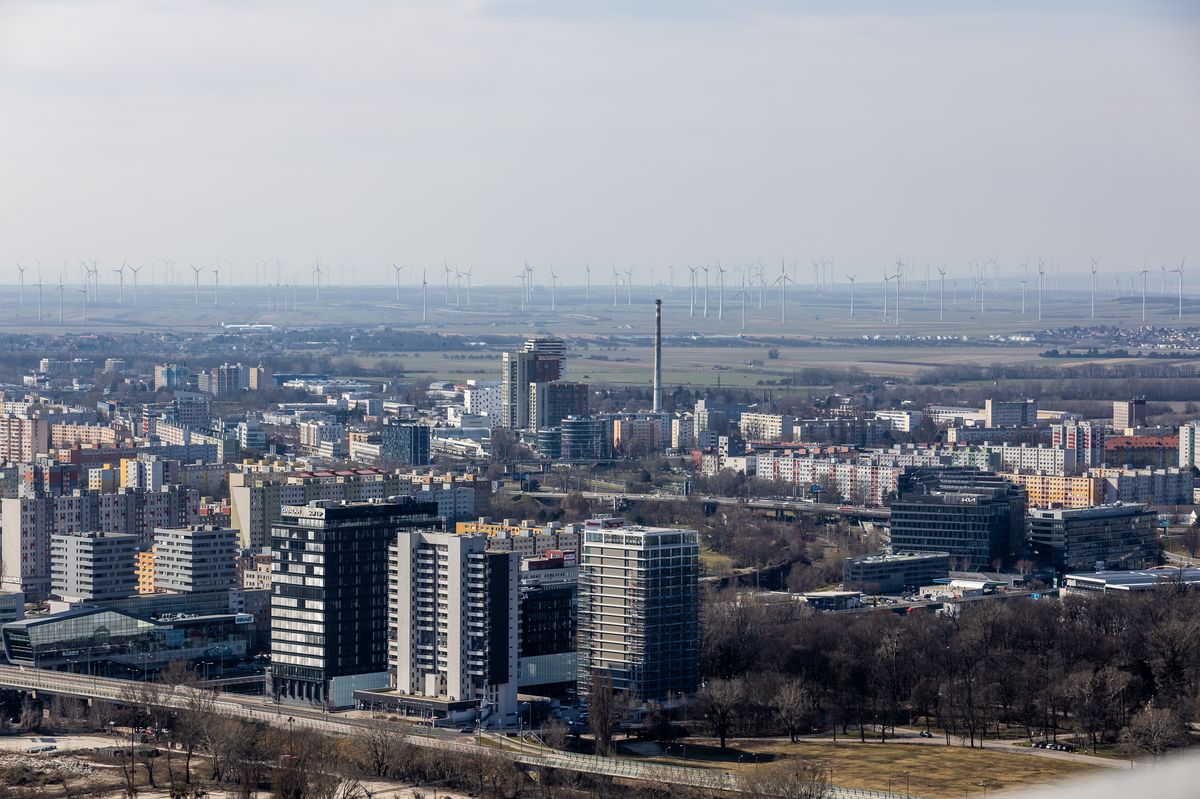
{"points": [[260, 710], [793, 505]]}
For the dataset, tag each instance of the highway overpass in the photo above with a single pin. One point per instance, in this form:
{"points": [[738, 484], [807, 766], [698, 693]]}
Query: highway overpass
{"points": [[258, 709]]}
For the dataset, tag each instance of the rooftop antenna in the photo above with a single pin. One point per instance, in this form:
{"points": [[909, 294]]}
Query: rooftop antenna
{"points": [[851, 279], [21, 278], [1094, 289], [196, 270], [398, 270], [657, 393]]}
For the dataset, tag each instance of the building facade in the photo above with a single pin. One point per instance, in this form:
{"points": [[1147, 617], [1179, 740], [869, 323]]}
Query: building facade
{"points": [[639, 609], [329, 597]]}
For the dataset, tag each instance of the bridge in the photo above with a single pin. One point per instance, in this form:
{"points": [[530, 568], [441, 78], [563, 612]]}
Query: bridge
{"points": [[262, 711]]}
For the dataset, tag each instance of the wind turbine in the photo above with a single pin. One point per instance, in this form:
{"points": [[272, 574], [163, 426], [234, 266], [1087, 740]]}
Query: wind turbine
{"points": [[587, 275], [692, 301], [60, 289], [629, 287], [425, 283], [120, 273], [84, 292], [216, 285], [782, 280], [196, 270], [720, 292], [1094, 289], [553, 286], [457, 288], [897, 276], [616, 281], [39, 288], [316, 273], [705, 268], [1143, 273], [886, 280], [398, 270], [21, 278], [742, 293], [942, 293], [1180, 271], [1041, 279], [446, 279], [468, 274], [851, 279], [135, 270]]}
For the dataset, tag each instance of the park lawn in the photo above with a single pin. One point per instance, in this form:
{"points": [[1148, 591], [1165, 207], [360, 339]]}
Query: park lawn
{"points": [[714, 562], [938, 772]]}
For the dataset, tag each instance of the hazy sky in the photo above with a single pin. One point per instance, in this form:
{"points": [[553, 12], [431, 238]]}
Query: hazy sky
{"points": [[488, 133]]}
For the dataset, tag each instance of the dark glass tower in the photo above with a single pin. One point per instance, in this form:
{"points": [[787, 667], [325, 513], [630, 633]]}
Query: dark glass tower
{"points": [[329, 601]]}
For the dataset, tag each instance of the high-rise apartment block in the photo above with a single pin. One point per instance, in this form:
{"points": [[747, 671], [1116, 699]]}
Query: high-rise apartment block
{"points": [[171, 376], [639, 609], [766, 426], [30, 522], [453, 608], [329, 597], [553, 401], [540, 360], [194, 560], [404, 443], [1189, 445], [1128, 414], [93, 566], [1084, 438], [1010, 413], [23, 438]]}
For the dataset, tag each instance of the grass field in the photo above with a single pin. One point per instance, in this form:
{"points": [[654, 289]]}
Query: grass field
{"points": [[940, 772]]}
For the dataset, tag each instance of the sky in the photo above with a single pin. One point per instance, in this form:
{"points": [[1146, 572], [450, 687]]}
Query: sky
{"points": [[646, 134]]}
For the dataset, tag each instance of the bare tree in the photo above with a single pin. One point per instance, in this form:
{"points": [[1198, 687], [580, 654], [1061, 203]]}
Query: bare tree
{"points": [[1154, 731], [720, 701], [602, 711], [554, 733], [792, 778], [793, 703]]}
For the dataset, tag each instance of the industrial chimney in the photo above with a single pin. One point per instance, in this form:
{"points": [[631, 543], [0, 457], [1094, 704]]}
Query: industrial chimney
{"points": [[658, 356]]}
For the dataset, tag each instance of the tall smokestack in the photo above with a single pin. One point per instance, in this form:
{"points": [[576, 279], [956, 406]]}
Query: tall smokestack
{"points": [[658, 356]]}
